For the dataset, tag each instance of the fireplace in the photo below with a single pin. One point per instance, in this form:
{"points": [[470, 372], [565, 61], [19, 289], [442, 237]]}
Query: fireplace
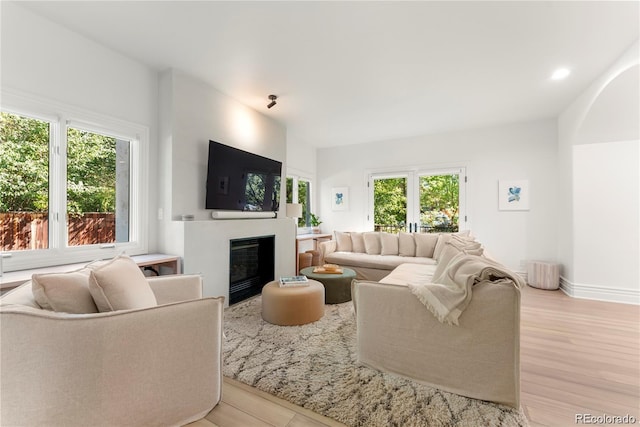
{"points": [[251, 266]]}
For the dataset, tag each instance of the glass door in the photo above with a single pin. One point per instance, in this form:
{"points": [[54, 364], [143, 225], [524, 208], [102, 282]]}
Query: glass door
{"points": [[425, 201]]}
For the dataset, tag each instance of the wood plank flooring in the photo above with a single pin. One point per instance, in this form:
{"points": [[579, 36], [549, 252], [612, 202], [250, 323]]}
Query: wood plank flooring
{"points": [[577, 357]]}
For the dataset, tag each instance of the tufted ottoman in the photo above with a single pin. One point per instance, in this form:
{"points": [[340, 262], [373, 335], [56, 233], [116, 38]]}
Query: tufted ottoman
{"points": [[293, 305]]}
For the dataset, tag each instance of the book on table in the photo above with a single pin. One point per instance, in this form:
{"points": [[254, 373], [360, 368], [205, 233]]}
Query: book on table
{"points": [[292, 281]]}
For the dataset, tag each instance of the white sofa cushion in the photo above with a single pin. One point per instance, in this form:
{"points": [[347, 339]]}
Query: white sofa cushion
{"points": [[64, 292], [406, 244], [425, 244], [388, 244], [120, 285], [381, 262], [343, 242], [372, 243], [357, 242]]}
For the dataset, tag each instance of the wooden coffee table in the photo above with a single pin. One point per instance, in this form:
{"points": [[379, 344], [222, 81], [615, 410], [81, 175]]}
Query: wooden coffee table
{"points": [[337, 287]]}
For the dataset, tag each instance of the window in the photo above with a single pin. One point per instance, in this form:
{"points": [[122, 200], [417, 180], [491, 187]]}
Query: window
{"points": [[69, 189], [418, 201], [299, 191]]}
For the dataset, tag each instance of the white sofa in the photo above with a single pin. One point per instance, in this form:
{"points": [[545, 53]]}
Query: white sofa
{"points": [[478, 357], [375, 254], [159, 365]]}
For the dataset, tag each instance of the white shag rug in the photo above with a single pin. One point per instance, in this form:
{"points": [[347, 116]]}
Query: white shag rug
{"points": [[314, 366]]}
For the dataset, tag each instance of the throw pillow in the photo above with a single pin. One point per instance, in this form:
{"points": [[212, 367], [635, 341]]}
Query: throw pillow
{"points": [[64, 292], [357, 242], [120, 285], [406, 244], [388, 244], [372, 243], [343, 242], [425, 244]]}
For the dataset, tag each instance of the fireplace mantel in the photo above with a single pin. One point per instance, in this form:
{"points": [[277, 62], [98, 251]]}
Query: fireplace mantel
{"points": [[207, 246]]}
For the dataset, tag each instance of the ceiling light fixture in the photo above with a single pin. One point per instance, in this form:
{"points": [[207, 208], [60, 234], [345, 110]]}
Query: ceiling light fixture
{"points": [[273, 101], [560, 74]]}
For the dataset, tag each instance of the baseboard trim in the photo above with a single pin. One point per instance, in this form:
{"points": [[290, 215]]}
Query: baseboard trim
{"points": [[600, 293]]}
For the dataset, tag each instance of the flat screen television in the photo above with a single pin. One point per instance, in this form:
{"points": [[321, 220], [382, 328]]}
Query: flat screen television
{"points": [[241, 181]]}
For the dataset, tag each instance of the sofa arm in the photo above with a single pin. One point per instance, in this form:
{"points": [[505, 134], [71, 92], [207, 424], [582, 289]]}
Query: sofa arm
{"points": [[176, 287], [153, 366], [325, 248], [480, 358]]}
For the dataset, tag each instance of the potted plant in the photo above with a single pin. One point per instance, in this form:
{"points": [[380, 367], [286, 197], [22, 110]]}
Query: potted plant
{"points": [[315, 223]]}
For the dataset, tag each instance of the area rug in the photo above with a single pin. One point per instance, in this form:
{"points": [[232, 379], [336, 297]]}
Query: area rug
{"points": [[314, 366]]}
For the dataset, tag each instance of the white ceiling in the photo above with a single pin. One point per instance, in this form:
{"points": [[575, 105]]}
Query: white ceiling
{"points": [[352, 72]]}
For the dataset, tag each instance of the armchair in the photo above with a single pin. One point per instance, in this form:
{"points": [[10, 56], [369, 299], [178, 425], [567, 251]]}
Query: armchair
{"points": [[151, 366]]}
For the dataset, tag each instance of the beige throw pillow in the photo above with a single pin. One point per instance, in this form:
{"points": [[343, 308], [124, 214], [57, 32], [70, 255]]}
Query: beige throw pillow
{"points": [[64, 292], [406, 244], [357, 242], [372, 243], [343, 242], [425, 244], [388, 244], [120, 285], [446, 237]]}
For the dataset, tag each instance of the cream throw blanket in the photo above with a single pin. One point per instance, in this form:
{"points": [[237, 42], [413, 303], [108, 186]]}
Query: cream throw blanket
{"points": [[448, 298]]}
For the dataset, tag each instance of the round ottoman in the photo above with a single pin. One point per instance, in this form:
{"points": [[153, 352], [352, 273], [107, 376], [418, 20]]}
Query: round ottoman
{"points": [[293, 305], [337, 287]]}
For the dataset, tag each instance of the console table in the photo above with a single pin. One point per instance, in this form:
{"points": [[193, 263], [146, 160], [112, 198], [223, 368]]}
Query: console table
{"points": [[13, 279]]}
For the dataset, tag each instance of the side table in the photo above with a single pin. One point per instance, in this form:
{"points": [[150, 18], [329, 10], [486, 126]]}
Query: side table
{"points": [[337, 287], [543, 275]]}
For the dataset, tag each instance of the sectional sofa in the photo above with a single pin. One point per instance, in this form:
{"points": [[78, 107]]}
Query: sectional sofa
{"points": [[471, 348]]}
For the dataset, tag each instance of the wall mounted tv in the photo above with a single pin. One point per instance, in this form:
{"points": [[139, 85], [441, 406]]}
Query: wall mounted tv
{"points": [[241, 181]]}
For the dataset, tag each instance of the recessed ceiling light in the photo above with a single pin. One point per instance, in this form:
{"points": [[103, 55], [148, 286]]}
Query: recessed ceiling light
{"points": [[560, 73]]}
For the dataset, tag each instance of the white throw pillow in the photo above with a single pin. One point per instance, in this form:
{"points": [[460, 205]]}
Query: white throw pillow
{"points": [[343, 242], [120, 285], [357, 242], [372, 243], [388, 244], [64, 292], [406, 244], [425, 244]]}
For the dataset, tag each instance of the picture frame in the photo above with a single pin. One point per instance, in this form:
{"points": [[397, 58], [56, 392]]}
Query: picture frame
{"points": [[513, 195], [340, 199]]}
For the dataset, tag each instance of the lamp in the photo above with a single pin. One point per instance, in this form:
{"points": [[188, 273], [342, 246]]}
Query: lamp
{"points": [[294, 210], [273, 101]]}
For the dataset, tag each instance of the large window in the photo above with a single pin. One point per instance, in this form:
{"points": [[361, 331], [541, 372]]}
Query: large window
{"points": [[68, 188], [418, 201], [299, 191]]}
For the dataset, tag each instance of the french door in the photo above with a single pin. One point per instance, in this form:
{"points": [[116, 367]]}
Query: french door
{"points": [[418, 201]]}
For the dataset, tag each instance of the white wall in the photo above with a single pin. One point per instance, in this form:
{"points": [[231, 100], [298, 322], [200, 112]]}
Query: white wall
{"points": [[598, 139], [191, 114], [516, 151], [48, 61], [607, 230]]}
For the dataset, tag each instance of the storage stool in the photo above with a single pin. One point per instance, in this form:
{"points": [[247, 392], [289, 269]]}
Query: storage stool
{"points": [[543, 275], [288, 306], [315, 260]]}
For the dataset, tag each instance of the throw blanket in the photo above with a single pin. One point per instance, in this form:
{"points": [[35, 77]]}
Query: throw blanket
{"points": [[448, 298]]}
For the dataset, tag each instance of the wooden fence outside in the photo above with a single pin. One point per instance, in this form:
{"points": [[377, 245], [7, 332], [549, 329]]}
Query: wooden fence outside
{"points": [[30, 230]]}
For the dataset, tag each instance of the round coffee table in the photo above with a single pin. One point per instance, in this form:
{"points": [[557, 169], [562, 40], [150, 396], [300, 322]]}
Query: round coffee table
{"points": [[337, 287], [288, 306]]}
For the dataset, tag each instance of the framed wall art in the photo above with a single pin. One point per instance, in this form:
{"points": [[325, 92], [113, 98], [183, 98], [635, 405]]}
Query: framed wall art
{"points": [[340, 199], [513, 195]]}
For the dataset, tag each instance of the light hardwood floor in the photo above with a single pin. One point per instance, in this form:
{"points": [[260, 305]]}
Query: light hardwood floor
{"points": [[577, 357]]}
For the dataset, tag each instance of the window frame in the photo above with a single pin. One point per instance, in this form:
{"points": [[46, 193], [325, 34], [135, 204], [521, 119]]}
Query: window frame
{"points": [[60, 117], [412, 175], [296, 178]]}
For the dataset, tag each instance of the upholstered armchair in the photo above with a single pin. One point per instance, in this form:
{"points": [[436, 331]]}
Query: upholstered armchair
{"points": [[158, 365]]}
